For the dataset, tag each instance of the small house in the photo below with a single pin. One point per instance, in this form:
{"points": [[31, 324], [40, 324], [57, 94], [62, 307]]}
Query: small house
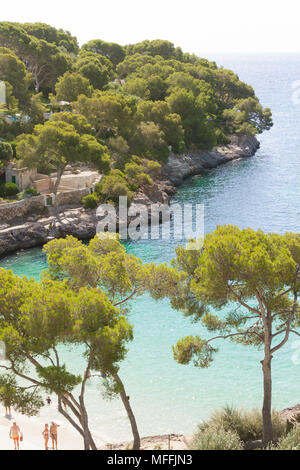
{"points": [[22, 177]]}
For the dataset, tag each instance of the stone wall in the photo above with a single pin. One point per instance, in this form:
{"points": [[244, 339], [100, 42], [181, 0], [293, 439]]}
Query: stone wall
{"points": [[85, 179], [44, 185], [13, 210], [71, 197]]}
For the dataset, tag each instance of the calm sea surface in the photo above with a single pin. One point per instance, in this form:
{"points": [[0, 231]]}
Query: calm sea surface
{"points": [[261, 192]]}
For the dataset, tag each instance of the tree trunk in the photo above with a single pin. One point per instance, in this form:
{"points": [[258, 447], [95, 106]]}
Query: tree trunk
{"points": [[126, 403], [87, 436], [267, 404], [86, 440], [89, 443], [58, 180], [83, 429]]}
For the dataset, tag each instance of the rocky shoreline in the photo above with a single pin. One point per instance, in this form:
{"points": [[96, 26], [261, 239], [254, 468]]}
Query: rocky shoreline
{"points": [[81, 223]]}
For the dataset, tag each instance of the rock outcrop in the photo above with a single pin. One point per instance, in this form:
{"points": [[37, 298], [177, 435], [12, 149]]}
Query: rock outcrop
{"points": [[82, 224], [291, 415], [188, 164]]}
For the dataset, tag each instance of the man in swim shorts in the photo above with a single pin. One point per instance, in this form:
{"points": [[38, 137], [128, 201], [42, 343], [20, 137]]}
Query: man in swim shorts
{"points": [[15, 434], [53, 434]]}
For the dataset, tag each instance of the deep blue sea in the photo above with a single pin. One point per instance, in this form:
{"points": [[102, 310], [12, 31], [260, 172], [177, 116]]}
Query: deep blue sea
{"points": [[261, 192]]}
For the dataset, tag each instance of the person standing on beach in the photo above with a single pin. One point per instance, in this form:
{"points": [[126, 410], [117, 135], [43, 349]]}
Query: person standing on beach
{"points": [[48, 400], [53, 434], [8, 411], [16, 435], [46, 435]]}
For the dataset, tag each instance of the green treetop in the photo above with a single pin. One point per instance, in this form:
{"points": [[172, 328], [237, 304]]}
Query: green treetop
{"points": [[35, 321], [105, 267], [254, 275], [71, 85], [56, 144]]}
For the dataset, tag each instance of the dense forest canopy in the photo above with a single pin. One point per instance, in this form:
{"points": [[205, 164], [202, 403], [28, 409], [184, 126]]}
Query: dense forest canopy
{"points": [[140, 101]]}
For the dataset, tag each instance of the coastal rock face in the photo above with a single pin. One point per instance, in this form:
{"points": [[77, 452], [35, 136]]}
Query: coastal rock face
{"points": [[34, 230], [291, 415], [182, 166], [22, 236], [77, 222]]}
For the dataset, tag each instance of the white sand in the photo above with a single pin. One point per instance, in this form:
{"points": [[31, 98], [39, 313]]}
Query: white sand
{"points": [[68, 437]]}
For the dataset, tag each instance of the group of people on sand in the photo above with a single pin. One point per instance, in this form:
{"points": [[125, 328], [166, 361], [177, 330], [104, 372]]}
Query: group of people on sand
{"points": [[16, 435], [50, 433]]}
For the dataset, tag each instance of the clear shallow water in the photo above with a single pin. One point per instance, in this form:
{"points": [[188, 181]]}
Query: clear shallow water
{"points": [[261, 192]]}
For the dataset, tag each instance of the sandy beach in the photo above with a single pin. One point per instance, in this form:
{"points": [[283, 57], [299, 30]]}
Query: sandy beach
{"points": [[68, 438]]}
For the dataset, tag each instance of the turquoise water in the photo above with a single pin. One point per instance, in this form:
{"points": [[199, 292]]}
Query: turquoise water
{"points": [[261, 192]]}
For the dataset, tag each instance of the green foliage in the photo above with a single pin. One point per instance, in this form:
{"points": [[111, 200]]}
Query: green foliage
{"points": [[216, 439], [79, 122], [246, 424], [114, 52], [291, 441], [112, 186], [71, 85], [132, 63], [149, 142], [136, 175], [56, 379], [170, 123], [255, 275], [6, 152], [13, 71], [227, 270], [59, 37], [109, 113], [56, 144], [119, 149], [193, 347], [154, 48], [29, 192], [37, 318], [11, 101], [95, 69], [27, 402], [137, 87], [36, 109], [43, 59], [90, 201], [144, 99], [8, 189]]}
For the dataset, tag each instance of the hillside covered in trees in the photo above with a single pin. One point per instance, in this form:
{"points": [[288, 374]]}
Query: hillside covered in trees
{"points": [[123, 108]]}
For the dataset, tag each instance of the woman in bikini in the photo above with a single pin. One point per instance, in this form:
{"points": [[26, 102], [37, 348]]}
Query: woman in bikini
{"points": [[46, 435]]}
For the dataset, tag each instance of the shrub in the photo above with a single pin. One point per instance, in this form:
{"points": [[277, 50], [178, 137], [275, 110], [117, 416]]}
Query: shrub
{"points": [[90, 201], [152, 168], [29, 192], [149, 141], [112, 186], [136, 176], [247, 424], [6, 151], [222, 138], [291, 441], [8, 189], [216, 439]]}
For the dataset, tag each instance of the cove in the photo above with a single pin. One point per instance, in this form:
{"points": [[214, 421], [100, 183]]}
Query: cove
{"points": [[260, 192]]}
